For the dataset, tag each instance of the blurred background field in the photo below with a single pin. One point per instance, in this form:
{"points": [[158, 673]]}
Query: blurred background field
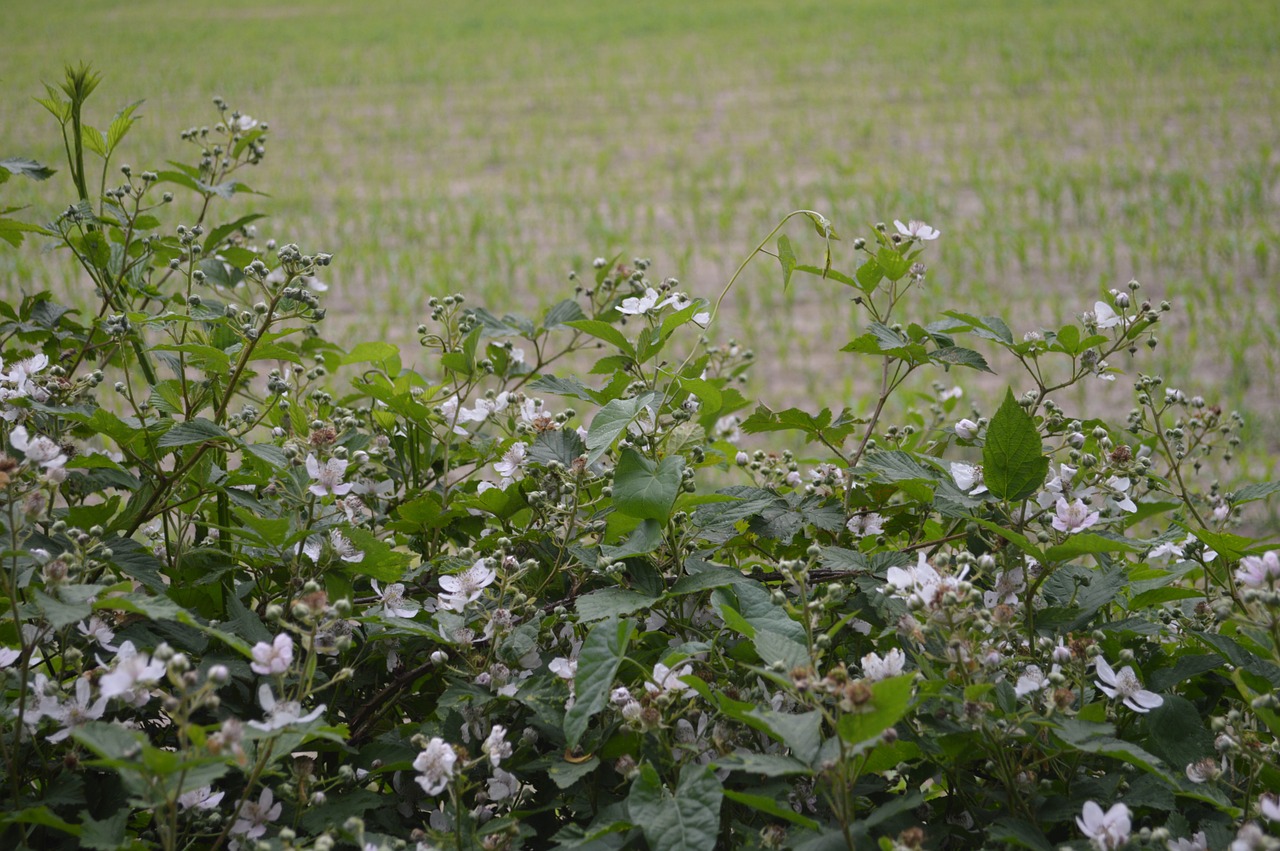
{"points": [[1062, 148]]}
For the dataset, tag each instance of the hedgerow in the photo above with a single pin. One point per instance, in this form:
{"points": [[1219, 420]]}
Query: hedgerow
{"points": [[261, 590]]}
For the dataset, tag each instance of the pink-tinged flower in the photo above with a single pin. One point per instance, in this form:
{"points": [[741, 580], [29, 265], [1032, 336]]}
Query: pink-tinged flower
{"points": [[1203, 770], [343, 548], [77, 711], [435, 766], [496, 746], [667, 680], [274, 658], [465, 587], [916, 230], [565, 669], [922, 584], [510, 467], [1119, 493], [968, 477], [1259, 571], [1198, 842], [132, 670], [728, 428], [97, 629], [256, 815], [328, 476], [1250, 837], [863, 525], [281, 713], [203, 798], [1269, 806], [1168, 549], [1010, 584], [242, 123], [1107, 831], [875, 668], [702, 319], [965, 429], [1060, 486], [393, 600], [1073, 517], [1105, 316], [1126, 686], [502, 785], [638, 305], [1033, 680], [39, 449]]}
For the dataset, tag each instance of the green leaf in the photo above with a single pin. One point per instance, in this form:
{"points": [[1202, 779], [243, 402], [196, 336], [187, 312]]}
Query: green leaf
{"points": [[644, 489], [193, 431], [562, 445], [611, 603], [802, 733], [890, 700], [1088, 543], [598, 661], [893, 263], [383, 355], [1014, 463], [869, 275], [221, 232], [689, 820], [611, 421], [1175, 732], [604, 331], [571, 387], [645, 538], [762, 764], [1100, 739], [955, 355], [787, 259], [24, 168], [562, 312], [104, 835], [121, 123], [773, 648], [766, 804], [1253, 492]]}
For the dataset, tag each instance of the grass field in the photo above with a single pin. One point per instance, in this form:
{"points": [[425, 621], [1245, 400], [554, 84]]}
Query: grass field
{"points": [[1061, 147]]}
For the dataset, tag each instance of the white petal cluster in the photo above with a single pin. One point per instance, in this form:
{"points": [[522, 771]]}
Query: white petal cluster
{"points": [[327, 477], [465, 587], [435, 766], [1106, 831], [916, 230], [876, 668], [274, 658], [1126, 686]]}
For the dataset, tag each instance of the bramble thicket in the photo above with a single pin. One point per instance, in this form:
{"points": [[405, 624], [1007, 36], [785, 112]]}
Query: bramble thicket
{"points": [[261, 590]]}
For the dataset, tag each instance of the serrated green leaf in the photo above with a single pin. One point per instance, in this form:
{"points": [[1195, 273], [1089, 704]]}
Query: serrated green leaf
{"points": [[1014, 463], [1088, 543], [765, 804], [604, 331], [611, 603], [193, 431], [689, 820], [644, 489], [958, 356], [611, 421], [602, 653], [787, 259], [24, 167], [890, 700]]}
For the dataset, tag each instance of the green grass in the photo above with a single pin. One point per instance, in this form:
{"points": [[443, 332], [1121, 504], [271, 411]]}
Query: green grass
{"points": [[1062, 148]]}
